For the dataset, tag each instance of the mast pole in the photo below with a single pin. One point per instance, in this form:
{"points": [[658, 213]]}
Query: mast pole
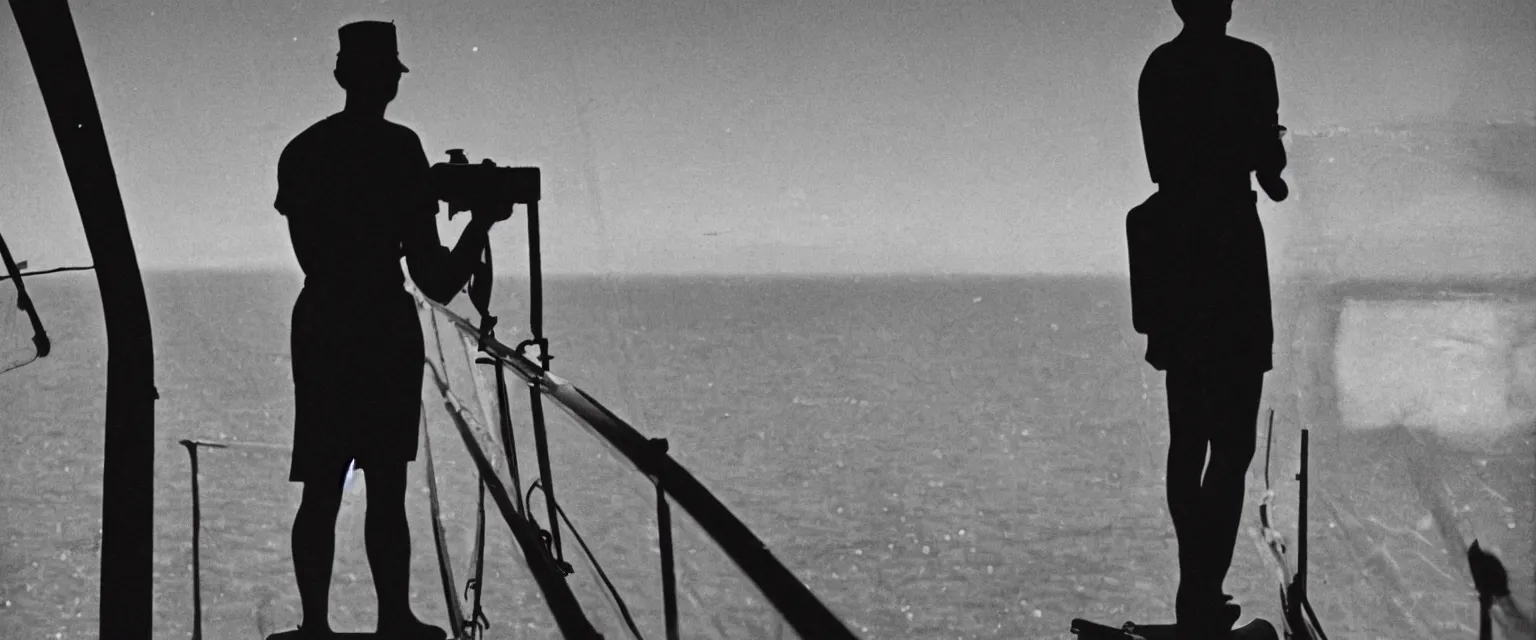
{"points": [[53, 45]]}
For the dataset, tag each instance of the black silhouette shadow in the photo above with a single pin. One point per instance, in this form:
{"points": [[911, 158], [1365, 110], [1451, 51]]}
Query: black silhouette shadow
{"points": [[1200, 284], [358, 194]]}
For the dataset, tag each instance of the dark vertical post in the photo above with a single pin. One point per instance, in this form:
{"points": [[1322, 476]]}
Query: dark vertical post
{"points": [[48, 31], [541, 442], [1301, 525], [668, 576], [535, 282], [197, 565], [1484, 619], [477, 613], [508, 440], [536, 324]]}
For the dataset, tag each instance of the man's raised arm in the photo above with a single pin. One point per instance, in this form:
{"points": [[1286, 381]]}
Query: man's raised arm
{"points": [[439, 273]]}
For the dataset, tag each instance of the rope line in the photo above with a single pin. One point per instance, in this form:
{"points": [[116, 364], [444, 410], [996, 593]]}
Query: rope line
{"points": [[439, 538], [617, 600], [489, 411], [806, 614], [471, 624], [470, 627], [477, 623], [540, 562]]}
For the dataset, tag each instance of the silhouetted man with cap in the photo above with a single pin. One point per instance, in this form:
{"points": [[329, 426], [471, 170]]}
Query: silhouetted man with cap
{"points": [[356, 192], [1200, 282]]}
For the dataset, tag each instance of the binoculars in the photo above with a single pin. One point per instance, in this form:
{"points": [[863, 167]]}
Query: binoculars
{"points": [[465, 186]]}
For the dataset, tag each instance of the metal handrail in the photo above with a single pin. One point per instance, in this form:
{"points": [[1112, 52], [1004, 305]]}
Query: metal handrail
{"points": [[809, 617]]}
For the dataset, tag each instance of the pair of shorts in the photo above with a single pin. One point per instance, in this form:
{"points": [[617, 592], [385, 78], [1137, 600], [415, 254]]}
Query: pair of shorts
{"points": [[357, 376]]}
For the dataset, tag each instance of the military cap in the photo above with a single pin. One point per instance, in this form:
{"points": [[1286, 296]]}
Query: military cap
{"points": [[369, 41]]}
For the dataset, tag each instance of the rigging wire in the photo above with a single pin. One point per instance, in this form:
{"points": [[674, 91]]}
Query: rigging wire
{"points": [[44, 272], [475, 583], [617, 600], [478, 623], [549, 576], [439, 537], [472, 625]]}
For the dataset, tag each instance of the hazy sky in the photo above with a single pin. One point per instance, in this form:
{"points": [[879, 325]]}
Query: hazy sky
{"points": [[720, 135]]}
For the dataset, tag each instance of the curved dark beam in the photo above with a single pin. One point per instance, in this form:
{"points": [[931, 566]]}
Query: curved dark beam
{"points": [[127, 524]]}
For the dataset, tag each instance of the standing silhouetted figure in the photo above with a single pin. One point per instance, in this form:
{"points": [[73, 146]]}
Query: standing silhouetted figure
{"points": [[1200, 283], [355, 190]]}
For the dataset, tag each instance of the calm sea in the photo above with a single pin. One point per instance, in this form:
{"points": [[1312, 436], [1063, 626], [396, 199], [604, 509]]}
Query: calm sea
{"points": [[940, 457]]}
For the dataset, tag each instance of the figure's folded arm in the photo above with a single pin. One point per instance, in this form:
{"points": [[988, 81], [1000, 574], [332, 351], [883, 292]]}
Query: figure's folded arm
{"points": [[1271, 152]]}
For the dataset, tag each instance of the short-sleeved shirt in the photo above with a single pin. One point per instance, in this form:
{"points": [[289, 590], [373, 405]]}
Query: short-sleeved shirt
{"points": [[1200, 278], [347, 185], [1205, 104]]}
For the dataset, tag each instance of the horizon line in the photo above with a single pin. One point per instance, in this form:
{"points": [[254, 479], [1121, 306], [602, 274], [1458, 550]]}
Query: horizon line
{"points": [[260, 269]]}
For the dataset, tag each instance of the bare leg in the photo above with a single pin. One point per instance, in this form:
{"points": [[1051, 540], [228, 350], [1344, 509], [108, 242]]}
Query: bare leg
{"points": [[314, 549], [1215, 408], [1235, 416], [388, 539], [1189, 435]]}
